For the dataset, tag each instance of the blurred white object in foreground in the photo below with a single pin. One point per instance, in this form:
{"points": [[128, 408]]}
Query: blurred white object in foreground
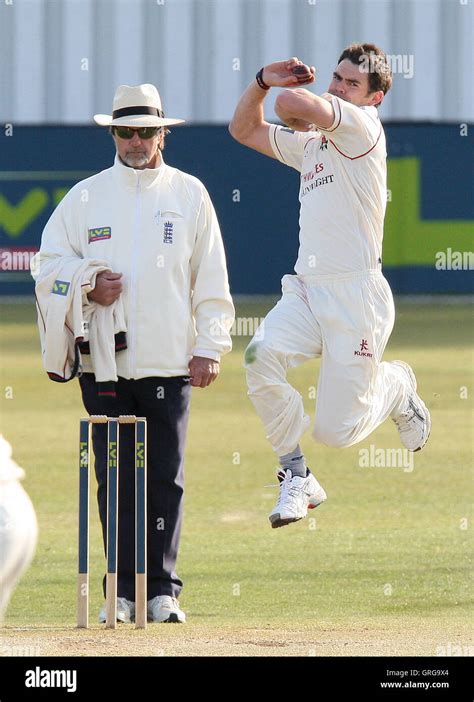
{"points": [[18, 525]]}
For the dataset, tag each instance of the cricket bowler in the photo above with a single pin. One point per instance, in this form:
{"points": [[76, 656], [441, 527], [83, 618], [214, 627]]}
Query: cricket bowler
{"points": [[18, 526], [338, 305]]}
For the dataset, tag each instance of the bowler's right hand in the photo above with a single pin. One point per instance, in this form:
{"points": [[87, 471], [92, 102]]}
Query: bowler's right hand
{"points": [[108, 287], [279, 74]]}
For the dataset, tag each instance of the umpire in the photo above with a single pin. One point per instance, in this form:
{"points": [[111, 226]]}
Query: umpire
{"points": [[157, 230]]}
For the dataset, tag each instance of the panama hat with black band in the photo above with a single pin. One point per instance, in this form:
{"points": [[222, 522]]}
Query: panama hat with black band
{"points": [[136, 106]]}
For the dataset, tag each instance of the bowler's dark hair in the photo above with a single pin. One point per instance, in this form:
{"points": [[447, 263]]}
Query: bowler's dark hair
{"points": [[374, 62]]}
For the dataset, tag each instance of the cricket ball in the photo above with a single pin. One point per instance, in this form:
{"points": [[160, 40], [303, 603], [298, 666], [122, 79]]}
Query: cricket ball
{"points": [[301, 72]]}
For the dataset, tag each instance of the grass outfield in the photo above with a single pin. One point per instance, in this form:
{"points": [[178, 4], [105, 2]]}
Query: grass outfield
{"points": [[381, 569]]}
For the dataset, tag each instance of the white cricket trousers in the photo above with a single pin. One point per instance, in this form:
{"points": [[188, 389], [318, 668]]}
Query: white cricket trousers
{"points": [[18, 536], [347, 321]]}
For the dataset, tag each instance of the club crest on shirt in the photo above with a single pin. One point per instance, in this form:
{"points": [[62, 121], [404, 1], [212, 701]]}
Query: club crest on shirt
{"points": [[99, 233], [168, 233], [324, 143]]}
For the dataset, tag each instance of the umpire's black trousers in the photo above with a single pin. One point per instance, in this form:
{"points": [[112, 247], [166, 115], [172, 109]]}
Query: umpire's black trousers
{"points": [[165, 403]]}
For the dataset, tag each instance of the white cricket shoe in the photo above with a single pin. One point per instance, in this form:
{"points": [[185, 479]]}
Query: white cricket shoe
{"points": [[297, 494], [125, 611], [414, 423], [164, 608]]}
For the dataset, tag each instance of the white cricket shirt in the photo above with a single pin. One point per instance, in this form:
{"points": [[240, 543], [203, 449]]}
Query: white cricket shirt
{"points": [[343, 189]]}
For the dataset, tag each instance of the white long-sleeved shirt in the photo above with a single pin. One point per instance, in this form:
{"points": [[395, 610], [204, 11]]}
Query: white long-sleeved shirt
{"points": [[343, 190], [158, 227]]}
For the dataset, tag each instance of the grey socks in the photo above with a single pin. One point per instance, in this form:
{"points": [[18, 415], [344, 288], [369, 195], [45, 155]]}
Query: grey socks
{"points": [[295, 461]]}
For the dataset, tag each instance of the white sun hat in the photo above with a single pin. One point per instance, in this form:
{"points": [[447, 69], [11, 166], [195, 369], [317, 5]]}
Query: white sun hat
{"points": [[136, 106]]}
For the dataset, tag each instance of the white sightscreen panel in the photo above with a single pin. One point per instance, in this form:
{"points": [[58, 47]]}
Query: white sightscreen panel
{"points": [[466, 61], [375, 29], [310, 19], [28, 62], [426, 83], [276, 42], [328, 44], [276, 29], [226, 79], [350, 29], [305, 36], [7, 41], [403, 31], [103, 31], [155, 60], [128, 42], [78, 62], [177, 90], [174, 43], [203, 35], [375, 23]]}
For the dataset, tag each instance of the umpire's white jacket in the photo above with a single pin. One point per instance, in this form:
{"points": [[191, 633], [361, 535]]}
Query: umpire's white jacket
{"points": [[158, 227]]}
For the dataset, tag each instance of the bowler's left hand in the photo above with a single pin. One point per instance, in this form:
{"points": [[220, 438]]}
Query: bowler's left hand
{"points": [[203, 371]]}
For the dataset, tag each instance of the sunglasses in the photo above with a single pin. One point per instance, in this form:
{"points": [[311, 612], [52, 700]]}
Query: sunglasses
{"points": [[143, 132]]}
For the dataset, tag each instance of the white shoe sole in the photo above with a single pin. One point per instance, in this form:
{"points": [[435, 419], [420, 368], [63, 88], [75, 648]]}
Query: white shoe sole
{"points": [[427, 417], [314, 501], [172, 618], [120, 619], [317, 499]]}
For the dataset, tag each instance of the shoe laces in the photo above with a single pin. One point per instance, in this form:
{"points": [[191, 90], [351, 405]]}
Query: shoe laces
{"points": [[281, 476], [408, 416], [402, 420], [287, 489]]}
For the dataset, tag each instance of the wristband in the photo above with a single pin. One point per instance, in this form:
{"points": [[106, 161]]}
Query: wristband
{"points": [[260, 81]]}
